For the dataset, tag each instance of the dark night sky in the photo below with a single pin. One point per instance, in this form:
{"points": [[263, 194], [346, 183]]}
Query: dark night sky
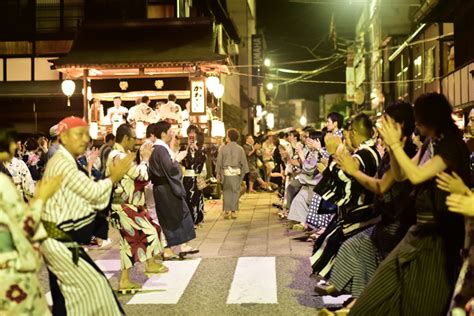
{"points": [[287, 26]]}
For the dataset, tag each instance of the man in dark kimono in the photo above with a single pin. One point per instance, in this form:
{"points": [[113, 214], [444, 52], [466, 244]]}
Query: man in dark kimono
{"points": [[170, 197], [342, 195]]}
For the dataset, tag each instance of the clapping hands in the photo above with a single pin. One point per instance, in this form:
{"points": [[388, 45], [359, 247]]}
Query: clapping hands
{"points": [[347, 163], [451, 183], [463, 204], [390, 131], [332, 143], [180, 156]]}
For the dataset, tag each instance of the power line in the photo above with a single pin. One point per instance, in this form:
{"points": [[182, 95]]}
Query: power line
{"points": [[336, 56], [336, 82], [349, 2]]}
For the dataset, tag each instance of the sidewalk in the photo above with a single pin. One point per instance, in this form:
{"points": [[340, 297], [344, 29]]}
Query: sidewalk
{"points": [[257, 231]]}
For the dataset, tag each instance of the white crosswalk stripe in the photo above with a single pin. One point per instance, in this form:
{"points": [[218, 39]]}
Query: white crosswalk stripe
{"points": [[254, 281], [171, 285]]}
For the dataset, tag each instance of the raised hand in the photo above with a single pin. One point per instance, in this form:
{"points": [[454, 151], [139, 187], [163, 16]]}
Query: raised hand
{"points": [[317, 144], [460, 203], [47, 187], [347, 163], [452, 184], [332, 142], [390, 131], [180, 156], [145, 151], [119, 167]]}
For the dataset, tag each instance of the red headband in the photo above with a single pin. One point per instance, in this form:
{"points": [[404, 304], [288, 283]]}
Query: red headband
{"points": [[70, 122]]}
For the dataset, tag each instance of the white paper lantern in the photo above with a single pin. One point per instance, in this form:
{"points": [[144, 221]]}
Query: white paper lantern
{"points": [[68, 87], [89, 93], [212, 83], [218, 129], [219, 91], [140, 130], [303, 120], [93, 130], [270, 118], [184, 128]]}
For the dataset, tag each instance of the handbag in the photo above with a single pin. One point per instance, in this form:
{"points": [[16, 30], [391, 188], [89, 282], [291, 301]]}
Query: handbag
{"points": [[201, 183], [259, 163]]}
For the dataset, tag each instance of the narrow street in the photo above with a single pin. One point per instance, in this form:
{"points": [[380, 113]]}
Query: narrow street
{"points": [[250, 265]]}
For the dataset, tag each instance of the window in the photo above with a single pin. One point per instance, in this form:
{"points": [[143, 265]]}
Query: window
{"points": [[18, 69], [417, 72], [43, 70]]}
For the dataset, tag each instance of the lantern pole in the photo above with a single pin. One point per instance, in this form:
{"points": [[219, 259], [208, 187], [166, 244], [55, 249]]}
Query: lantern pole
{"points": [[84, 96]]}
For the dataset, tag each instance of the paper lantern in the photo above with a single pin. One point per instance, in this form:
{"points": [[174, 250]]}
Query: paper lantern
{"points": [[93, 130], [89, 93], [219, 91], [140, 130], [270, 118], [212, 83], [303, 120], [218, 129], [184, 128], [68, 87]]}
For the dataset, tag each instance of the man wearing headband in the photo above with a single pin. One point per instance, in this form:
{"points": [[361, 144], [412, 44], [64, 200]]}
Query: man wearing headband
{"points": [[77, 285]]}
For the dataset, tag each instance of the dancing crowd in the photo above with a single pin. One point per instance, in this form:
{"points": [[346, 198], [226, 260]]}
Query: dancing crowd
{"points": [[385, 201], [59, 197]]}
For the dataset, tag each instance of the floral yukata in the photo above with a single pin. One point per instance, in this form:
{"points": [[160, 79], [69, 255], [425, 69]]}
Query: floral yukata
{"points": [[21, 177], [139, 234], [20, 291]]}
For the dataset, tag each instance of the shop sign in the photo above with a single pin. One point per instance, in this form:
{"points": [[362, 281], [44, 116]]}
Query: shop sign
{"points": [[198, 96]]}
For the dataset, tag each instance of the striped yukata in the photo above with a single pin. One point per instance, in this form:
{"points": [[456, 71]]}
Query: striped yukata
{"points": [[81, 288], [354, 213], [418, 276], [360, 255]]}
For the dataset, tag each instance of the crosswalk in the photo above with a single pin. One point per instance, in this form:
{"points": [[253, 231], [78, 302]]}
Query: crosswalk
{"points": [[249, 280], [254, 281]]}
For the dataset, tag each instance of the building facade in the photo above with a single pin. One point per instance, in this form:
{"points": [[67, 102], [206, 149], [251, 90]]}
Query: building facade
{"points": [[36, 32]]}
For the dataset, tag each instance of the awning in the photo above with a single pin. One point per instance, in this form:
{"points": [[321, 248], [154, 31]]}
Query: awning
{"points": [[35, 89], [143, 47]]}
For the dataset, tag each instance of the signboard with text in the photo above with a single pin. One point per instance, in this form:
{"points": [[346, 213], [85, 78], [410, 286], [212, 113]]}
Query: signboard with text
{"points": [[257, 59], [198, 96]]}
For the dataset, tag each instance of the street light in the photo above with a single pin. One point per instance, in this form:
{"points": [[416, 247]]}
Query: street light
{"points": [[267, 62], [68, 86], [269, 86]]}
